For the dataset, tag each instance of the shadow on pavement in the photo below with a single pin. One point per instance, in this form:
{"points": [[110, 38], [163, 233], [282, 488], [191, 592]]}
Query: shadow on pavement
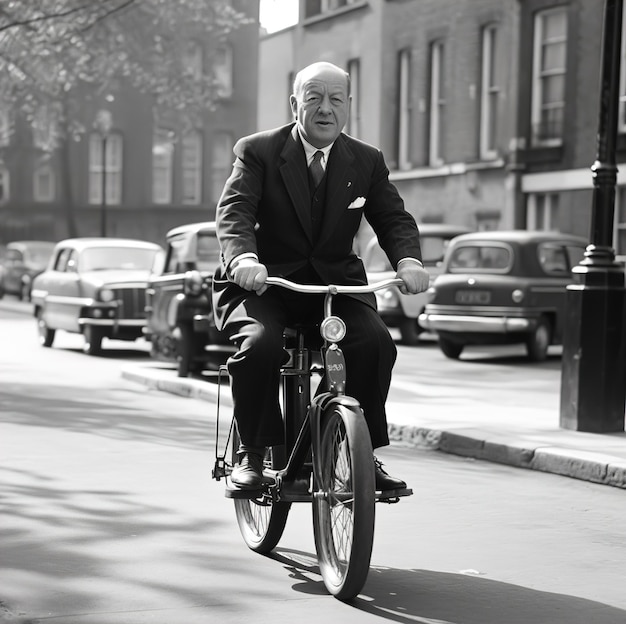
{"points": [[429, 596]]}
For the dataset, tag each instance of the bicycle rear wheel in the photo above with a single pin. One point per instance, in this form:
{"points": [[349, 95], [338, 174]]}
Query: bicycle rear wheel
{"points": [[261, 520], [344, 502]]}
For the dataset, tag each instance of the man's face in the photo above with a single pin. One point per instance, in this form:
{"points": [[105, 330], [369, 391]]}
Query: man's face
{"points": [[321, 106]]}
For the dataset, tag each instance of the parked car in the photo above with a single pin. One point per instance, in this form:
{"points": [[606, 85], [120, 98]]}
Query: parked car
{"points": [[179, 314], [503, 287], [21, 262], [95, 287], [396, 309]]}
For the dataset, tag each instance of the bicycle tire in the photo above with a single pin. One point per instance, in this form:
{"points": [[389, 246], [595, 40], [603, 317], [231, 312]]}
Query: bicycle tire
{"points": [[344, 502], [261, 520]]}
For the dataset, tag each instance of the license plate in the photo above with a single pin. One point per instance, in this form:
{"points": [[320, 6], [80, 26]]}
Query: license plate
{"points": [[481, 297]]}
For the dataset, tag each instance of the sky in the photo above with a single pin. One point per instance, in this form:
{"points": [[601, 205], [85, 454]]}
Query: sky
{"points": [[277, 14]]}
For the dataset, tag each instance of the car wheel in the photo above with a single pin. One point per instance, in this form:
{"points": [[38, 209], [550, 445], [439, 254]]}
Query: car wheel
{"points": [[46, 335], [186, 350], [450, 348], [93, 340], [409, 331], [538, 341]]}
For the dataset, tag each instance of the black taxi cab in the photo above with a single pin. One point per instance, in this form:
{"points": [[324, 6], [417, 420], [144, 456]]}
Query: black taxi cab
{"points": [[180, 325], [503, 287]]}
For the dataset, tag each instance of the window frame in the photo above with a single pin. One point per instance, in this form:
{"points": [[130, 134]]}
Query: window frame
{"points": [[405, 64], [539, 75], [437, 103], [162, 185], [354, 118], [39, 194], [114, 168], [489, 94], [192, 170]]}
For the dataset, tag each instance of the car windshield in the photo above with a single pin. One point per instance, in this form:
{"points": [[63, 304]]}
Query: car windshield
{"points": [[38, 255], [481, 257], [433, 250], [105, 258]]}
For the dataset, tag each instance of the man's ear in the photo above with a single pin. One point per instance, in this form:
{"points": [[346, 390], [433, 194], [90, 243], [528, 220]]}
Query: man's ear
{"points": [[293, 102]]}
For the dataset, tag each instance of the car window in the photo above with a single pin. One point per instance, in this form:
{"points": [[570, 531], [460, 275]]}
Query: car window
{"points": [[37, 255], [174, 256], [208, 250], [433, 249], [105, 258], [61, 261], [553, 259], [481, 257], [14, 256]]}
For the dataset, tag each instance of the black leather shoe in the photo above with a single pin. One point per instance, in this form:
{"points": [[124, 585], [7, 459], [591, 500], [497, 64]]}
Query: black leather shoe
{"points": [[385, 481], [248, 473]]}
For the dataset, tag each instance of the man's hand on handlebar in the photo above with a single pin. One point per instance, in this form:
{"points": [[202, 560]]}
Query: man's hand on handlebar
{"points": [[414, 276], [250, 275]]}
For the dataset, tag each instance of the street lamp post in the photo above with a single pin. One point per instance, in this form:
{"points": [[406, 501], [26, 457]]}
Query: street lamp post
{"points": [[593, 382], [103, 124]]}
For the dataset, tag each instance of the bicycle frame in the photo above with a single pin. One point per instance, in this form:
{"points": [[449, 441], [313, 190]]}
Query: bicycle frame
{"points": [[302, 415]]}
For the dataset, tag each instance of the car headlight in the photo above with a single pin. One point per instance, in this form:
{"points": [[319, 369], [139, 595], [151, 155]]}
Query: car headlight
{"points": [[193, 283], [106, 295], [517, 295], [333, 329]]}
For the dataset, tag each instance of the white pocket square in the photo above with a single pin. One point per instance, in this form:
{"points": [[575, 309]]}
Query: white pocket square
{"points": [[359, 202]]}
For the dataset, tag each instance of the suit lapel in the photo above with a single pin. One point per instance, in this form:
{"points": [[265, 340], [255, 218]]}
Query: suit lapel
{"points": [[341, 175], [295, 176]]}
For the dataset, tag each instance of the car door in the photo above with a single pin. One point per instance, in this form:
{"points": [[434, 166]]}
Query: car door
{"points": [[63, 303]]}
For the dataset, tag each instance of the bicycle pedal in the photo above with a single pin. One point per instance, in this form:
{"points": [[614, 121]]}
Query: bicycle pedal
{"points": [[393, 496], [233, 491]]}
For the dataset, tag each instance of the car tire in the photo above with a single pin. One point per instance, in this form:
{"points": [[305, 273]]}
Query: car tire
{"points": [[93, 340], [409, 331], [46, 335], [539, 340], [186, 350], [450, 348]]}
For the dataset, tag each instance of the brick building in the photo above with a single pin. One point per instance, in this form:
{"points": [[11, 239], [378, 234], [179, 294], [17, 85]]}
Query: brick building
{"points": [[156, 177], [486, 110]]}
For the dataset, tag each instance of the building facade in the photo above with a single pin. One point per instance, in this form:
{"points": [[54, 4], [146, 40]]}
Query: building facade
{"points": [[486, 110], [155, 176]]}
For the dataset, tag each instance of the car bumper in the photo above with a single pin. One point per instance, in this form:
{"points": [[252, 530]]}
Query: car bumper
{"points": [[459, 323], [111, 322]]}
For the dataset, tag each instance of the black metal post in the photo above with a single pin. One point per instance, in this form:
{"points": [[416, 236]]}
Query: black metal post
{"points": [[593, 379], [103, 208]]}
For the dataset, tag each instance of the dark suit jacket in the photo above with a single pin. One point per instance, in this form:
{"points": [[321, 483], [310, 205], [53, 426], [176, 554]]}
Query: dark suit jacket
{"points": [[265, 208]]}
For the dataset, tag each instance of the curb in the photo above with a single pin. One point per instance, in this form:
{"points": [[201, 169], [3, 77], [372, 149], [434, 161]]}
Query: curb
{"points": [[583, 465]]}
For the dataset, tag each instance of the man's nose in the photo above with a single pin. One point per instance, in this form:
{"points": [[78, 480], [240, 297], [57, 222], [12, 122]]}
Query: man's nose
{"points": [[325, 105]]}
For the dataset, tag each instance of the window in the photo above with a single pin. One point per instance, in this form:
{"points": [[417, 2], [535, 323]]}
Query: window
{"points": [[193, 61], [354, 120], [4, 184], [542, 211], [404, 109], [44, 184], [621, 122], [5, 127], [45, 129], [162, 161], [110, 174], [192, 168], [224, 71], [437, 104], [493, 258], [489, 94], [319, 7], [221, 163], [549, 64], [553, 259]]}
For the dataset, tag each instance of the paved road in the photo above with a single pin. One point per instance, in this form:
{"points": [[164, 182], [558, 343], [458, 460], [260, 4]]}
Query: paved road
{"points": [[109, 517]]}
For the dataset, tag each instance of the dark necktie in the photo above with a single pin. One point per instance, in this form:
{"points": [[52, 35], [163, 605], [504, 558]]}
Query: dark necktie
{"points": [[316, 169]]}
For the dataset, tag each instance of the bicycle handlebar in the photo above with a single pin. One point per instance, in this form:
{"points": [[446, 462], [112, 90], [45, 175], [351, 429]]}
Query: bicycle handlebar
{"points": [[332, 289]]}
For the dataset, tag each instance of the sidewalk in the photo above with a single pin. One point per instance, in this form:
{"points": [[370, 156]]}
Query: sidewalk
{"points": [[529, 437]]}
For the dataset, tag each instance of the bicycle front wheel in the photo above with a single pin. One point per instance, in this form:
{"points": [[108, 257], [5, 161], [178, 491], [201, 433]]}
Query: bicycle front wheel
{"points": [[261, 520], [344, 502]]}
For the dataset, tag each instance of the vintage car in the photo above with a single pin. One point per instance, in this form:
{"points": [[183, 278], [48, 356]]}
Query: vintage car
{"points": [[180, 324], [503, 287], [95, 287], [396, 309], [21, 262]]}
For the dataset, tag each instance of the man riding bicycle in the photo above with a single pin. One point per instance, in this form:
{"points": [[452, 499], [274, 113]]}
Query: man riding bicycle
{"points": [[291, 208]]}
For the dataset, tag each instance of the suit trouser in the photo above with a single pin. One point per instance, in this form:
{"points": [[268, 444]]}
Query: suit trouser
{"points": [[255, 369]]}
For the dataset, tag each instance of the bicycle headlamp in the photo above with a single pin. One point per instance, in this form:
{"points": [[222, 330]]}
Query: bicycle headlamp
{"points": [[333, 329]]}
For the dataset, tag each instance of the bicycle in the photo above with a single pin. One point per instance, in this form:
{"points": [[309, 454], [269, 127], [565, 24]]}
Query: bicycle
{"points": [[326, 459]]}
